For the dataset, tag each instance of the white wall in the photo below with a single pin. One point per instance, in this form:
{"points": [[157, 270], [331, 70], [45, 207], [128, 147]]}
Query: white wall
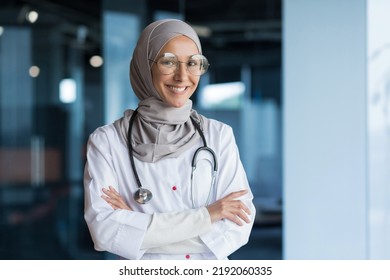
{"points": [[325, 125], [378, 104]]}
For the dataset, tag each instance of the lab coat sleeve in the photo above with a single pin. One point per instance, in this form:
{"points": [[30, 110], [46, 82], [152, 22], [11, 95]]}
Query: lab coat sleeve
{"points": [[170, 228], [226, 236], [120, 232]]}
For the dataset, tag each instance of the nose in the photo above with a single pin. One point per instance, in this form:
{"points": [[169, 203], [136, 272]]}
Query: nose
{"points": [[181, 72]]}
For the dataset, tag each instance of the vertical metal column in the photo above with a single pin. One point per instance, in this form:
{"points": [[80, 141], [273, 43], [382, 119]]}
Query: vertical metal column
{"points": [[75, 165]]}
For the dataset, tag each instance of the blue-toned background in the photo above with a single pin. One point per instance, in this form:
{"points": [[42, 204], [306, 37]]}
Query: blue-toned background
{"points": [[304, 84]]}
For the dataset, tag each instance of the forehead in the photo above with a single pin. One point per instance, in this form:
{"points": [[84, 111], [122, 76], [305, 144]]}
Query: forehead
{"points": [[180, 46]]}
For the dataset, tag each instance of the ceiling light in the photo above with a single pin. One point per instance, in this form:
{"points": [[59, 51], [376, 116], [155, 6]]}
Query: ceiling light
{"points": [[68, 92], [34, 71], [32, 16], [96, 61]]}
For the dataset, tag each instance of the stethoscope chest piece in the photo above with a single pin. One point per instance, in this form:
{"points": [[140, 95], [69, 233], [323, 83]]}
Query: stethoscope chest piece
{"points": [[142, 196]]}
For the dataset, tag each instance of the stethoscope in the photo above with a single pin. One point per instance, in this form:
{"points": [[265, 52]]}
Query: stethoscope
{"points": [[143, 195]]}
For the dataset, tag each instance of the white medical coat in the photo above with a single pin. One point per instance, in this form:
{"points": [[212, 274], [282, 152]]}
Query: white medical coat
{"points": [[182, 226]]}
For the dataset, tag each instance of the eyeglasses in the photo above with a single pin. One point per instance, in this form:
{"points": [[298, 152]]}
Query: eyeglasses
{"points": [[168, 63]]}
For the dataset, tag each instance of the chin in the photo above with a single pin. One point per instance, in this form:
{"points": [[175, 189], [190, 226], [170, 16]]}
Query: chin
{"points": [[177, 104]]}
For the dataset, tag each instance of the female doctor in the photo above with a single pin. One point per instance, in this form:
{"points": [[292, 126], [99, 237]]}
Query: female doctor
{"points": [[164, 182]]}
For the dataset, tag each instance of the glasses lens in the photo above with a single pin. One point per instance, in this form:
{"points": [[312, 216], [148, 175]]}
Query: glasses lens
{"points": [[198, 64], [167, 63]]}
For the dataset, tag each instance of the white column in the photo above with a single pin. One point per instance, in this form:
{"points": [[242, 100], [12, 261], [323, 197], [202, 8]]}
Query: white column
{"points": [[378, 131], [325, 129]]}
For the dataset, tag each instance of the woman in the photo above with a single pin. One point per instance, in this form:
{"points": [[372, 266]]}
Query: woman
{"points": [[171, 211]]}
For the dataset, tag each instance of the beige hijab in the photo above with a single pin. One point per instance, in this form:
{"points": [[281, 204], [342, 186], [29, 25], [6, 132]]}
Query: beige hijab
{"points": [[159, 130]]}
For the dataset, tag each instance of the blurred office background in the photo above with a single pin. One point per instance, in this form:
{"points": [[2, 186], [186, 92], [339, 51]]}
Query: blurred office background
{"points": [[304, 84]]}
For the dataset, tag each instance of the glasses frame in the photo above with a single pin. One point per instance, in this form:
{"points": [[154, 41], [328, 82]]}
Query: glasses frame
{"points": [[174, 69]]}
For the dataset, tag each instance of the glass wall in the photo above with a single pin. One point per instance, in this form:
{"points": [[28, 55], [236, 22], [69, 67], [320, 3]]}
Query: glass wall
{"points": [[47, 87], [64, 72]]}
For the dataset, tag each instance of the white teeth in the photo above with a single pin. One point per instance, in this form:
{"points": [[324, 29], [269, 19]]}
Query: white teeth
{"points": [[178, 89]]}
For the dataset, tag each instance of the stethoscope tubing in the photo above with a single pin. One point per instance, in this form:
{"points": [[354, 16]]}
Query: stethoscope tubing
{"points": [[130, 148], [204, 148], [193, 162]]}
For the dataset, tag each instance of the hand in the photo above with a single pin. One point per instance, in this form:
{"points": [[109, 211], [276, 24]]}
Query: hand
{"points": [[230, 208], [113, 198]]}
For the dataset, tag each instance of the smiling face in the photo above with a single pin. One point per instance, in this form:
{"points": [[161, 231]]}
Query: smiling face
{"points": [[176, 88]]}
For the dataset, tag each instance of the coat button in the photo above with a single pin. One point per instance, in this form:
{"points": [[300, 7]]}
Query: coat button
{"points": [[188, 256], [174, 188]]}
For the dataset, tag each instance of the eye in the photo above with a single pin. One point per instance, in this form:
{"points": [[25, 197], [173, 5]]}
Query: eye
{"points": [[168, 62], [193, 63]]}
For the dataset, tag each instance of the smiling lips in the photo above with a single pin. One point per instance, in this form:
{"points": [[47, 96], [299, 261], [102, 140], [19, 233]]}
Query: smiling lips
{"points": [[177, 89]]}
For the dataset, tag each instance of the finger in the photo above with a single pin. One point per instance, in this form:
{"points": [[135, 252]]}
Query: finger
{"points": [[238, 216], [232, 217], [243, 216], [236, 194], [243, 212], [239, 210], [111, 192], [114, 190], [108, 200], [112, 200], [238, 204], [107, 192], [113, 206], [245, 208]]}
